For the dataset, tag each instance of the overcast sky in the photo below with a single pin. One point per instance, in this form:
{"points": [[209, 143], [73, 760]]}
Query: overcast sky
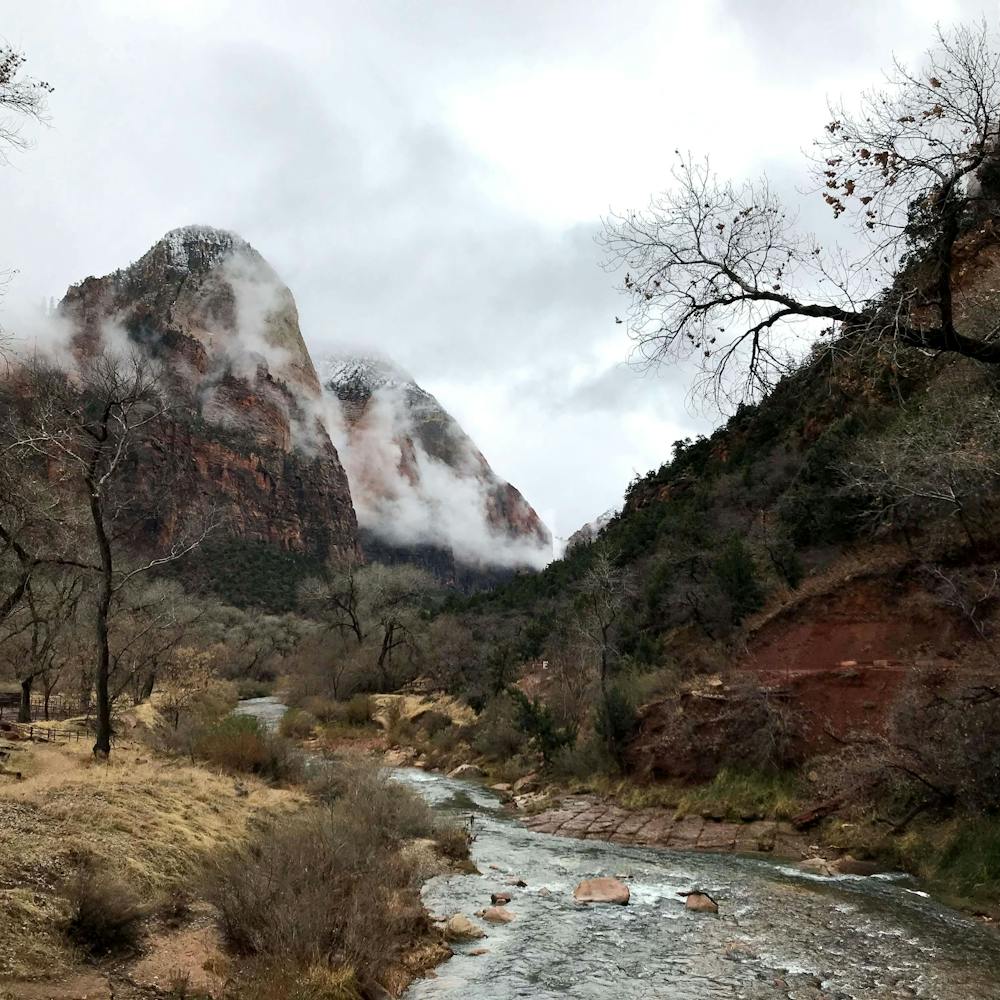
{"points": [[428, 177]]}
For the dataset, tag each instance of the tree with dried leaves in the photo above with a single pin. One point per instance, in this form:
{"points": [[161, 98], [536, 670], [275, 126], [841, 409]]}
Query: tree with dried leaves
{"points": [[721, 274], [21, 97]]}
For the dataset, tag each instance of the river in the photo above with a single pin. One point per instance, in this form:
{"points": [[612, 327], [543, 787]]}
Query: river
{"points": [[780, 933]]}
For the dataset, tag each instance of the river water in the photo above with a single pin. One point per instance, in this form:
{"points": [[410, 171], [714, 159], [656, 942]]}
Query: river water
{"points": [[780, 933]]}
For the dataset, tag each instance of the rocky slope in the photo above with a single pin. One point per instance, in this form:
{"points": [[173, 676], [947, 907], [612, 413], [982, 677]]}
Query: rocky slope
{"points": [[423, 491], [245, 434]]}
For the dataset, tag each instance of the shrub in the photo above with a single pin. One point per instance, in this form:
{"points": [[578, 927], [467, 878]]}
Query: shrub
{"points": [[497, 732], [391, 811], [297, 725], [329, 887], [539, 722], [582, 761], [248, 687], [453, 842], [615, 721], [736, 574], [243, 743], [431, 722], [357, 711], [105, 914], [284, 980]]}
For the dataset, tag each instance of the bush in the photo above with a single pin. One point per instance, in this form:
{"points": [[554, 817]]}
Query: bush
{"points": [[248, 687], [329, 887], [288, 981], [453, 842], [498, 734], [431, 723], [537, 720], [392, 812], [615, 721], [244, 744], [736, 574], [105, 914], [297, 725], [582, 761]]}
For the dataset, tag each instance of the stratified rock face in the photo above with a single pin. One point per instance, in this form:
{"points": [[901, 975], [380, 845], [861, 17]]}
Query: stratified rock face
{"points": [[246, 433], [422, 489]]}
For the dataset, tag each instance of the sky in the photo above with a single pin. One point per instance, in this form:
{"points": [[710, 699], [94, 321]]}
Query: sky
{"points": [[429, 178]]}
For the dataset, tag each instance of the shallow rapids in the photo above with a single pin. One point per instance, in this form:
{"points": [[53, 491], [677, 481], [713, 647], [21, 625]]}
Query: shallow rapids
{"points": [[779, 934]]}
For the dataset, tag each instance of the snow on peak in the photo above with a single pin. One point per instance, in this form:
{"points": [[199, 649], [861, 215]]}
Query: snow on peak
{"points": [[366, 373], [200, 247]]}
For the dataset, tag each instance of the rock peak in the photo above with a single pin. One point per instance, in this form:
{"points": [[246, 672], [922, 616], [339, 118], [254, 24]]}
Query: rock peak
{"points": [[198, 248], [362, 373]]}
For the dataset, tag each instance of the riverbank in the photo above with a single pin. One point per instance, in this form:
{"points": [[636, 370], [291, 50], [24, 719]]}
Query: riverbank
{"points": [[780, 933], [957, 860], [140, 819], [141, 834]]}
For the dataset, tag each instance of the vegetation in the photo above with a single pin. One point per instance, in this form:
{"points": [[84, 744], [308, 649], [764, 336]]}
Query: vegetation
{"points": [[105, 915]]}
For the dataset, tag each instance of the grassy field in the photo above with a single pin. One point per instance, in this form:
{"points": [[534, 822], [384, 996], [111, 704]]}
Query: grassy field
{"points": [[151, 821]]}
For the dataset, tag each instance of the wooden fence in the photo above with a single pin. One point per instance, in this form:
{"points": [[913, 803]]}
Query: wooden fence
{"points": [[42, 734]]}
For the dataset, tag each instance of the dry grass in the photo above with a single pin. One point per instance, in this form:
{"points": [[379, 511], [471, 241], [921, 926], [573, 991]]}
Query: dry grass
{"points": [[150, 821]]}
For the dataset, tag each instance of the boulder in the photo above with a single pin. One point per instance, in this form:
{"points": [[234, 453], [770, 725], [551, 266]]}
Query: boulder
{"points": [[851, 866], [816, 866], [500, 898], [468, 771], [700, 902], [476, 952], [461, 928], [502, 787], [497, 915], [602, 890], [529, 783]]}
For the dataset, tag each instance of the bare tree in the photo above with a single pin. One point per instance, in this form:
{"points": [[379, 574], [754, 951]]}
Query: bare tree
{"points": [[34, 638], [89, 427], [601, 598], [335, 599], [720, 273], [941, 453], [21, 97], [391, 600]]}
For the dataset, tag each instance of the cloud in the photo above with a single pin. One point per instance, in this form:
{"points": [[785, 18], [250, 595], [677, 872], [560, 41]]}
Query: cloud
{"points": [[428, 178], [407, 496]]}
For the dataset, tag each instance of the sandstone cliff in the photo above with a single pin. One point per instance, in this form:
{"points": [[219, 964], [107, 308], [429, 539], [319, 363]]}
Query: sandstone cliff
{"points": [[245, 433]]}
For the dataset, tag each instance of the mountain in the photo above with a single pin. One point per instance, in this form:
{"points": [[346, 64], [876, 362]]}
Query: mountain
{"points": [[246, 431], [422, 489], [591, 530]]}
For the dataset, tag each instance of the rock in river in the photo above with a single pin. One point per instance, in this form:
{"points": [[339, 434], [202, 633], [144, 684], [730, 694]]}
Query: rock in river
{"points": [[601, 890], [461, 928], [497, 915], [700, 902], [469, 771]]}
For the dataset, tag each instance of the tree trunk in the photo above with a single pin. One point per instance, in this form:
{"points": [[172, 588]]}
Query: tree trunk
{"points": [[24, 709], [383, 657], [48, 696], [102, 744]]}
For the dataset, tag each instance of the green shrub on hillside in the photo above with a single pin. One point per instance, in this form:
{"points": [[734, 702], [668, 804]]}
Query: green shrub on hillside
{"points": [[242, 743]]}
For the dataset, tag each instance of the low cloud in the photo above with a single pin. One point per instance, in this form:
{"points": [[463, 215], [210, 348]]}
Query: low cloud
{"points": [[407, 496]]}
